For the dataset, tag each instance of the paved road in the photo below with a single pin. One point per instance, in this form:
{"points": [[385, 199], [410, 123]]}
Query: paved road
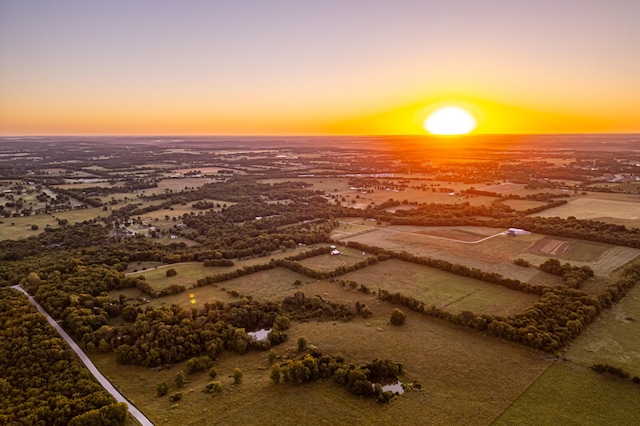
{"points": [[137, 414]]}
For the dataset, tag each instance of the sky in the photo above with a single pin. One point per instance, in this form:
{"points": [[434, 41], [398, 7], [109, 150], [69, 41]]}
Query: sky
{"points": [[274, 67]]}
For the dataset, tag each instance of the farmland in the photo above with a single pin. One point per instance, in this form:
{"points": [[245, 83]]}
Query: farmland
{"points": [[486, 334], [443, 289]]}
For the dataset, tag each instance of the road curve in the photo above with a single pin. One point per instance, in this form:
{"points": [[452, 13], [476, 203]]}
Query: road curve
{"points": [[137, 414]]}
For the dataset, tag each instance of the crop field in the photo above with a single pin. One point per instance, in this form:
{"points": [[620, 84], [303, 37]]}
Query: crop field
{"points": [[596, 209], [464, 376], [443, 289], [614, 338], [569, 394]]}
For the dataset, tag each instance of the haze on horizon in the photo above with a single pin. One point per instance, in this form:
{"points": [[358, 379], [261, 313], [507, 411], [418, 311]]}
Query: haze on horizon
{"points": [[272, 67]]}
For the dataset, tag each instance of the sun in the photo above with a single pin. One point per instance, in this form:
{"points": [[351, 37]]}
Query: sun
{"points": [[450, 121]]}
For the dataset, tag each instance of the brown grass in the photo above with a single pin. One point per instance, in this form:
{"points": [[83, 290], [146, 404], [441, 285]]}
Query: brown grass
{"points": [[465, 376]]}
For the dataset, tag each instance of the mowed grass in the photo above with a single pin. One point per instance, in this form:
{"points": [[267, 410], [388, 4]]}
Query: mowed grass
{"points": [[568, 394], [614, 338], [595, 208], [467, 378], [188, 273], [495, 254], [328, 262], [442, 289]]}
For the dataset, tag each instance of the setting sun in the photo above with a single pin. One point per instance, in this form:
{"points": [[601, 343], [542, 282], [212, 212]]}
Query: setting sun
{"points": [[450, 121]]}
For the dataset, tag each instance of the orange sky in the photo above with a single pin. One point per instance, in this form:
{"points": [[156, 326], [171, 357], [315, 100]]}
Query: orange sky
{"points": [[290, 67]]}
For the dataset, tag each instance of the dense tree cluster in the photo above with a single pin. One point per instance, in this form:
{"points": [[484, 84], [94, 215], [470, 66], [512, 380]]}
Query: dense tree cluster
{"points": [[365, 380], [41, 381]]}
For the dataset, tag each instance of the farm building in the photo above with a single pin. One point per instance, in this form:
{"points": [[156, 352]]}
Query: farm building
{"points": [[512, 232]]}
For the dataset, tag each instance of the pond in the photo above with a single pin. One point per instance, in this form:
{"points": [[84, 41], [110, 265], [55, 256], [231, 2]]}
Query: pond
{"points": [[395, 387], [259, 335]]}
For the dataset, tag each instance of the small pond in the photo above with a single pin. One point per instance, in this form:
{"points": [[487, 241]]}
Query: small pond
{"points": [[395, 387], [259, 335]]}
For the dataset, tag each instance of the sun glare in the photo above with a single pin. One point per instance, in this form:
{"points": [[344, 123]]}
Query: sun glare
{"points": [[450, 121]]}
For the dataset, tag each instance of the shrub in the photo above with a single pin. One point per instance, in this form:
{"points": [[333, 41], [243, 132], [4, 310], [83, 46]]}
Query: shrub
{"points": [[275, 373], [302, 344], [176, 397], [398, 317], [171, 272], [213, 387], [201, 363], [180, 379], [237, 375], [213, 372], [162, 389]]}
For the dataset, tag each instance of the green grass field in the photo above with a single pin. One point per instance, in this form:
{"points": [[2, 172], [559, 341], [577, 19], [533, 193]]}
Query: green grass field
{"points": [[614, 338], [443, 289], [464, 374], [568, 394]]}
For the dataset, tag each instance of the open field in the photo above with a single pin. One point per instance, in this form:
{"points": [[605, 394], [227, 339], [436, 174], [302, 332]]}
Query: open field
{"points": [[493, 254], [443, 289], [464, 374], [596, 209], [327, 262], [613, 338], [16, 228], [521, 205], [273, 284], [568, 394], [175, 185], [80, 215]]}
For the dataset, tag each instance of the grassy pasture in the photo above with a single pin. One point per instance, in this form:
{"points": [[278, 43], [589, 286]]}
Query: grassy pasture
{"points": [[614, 338], [521, 205], [74, 216], [596, 208], [568, 394], [466, 377], [494, 254], [443, 289], [328, 262], [16, 228], [273, 284], [175, 185]]}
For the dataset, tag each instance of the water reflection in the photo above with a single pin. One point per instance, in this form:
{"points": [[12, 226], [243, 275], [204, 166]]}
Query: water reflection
{"points": [[395, 387], [259, 335]]}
